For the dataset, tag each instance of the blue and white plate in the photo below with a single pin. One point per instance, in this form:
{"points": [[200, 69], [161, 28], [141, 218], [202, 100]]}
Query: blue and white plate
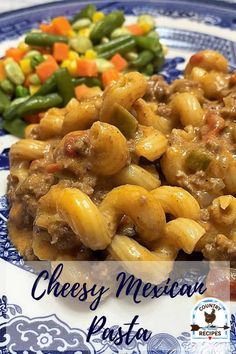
{"points": [[185, 27]]}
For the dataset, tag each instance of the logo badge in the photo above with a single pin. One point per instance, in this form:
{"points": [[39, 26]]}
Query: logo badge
{"points": [[210, 321]]}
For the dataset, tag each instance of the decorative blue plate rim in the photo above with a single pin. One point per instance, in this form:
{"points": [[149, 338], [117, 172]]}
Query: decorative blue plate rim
{"points": [[225, 12], [221, 5]]}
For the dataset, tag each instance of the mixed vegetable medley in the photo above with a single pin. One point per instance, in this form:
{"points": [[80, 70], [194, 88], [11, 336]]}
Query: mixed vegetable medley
{"points": [[73, 58]]}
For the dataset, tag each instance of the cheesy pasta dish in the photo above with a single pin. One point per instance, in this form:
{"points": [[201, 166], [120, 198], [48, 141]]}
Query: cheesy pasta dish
{"points": [[141, 171]]}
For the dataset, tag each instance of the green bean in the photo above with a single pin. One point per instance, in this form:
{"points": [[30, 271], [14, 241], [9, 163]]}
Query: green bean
{"points": [[121, 49], [14, 72], [49, 86], [7, 87], [39, 104], [88, 81], [17, 101], [159, 61], [44, 39], [64, 85], [144, 58], [11, 112], [15, 127], [86, 12], [36, 60], [101, 48], [21, 91], [104, 27], [31, 105], [4, 102], [149, 43], [148, 70]]}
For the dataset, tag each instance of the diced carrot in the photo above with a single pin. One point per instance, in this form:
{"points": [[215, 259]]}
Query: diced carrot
{"points": [[135, 29], [47, 28], [81, 90], [53, 168], [14, 53], [61, 25], [32, 118], [86, 67], [109, 75], [60, 51], [119, 62], [49, 57], [46, 69], [2, 71]]}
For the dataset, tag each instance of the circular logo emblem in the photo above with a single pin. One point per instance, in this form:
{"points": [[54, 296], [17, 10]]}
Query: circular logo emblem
{"points": [[210, 321]]}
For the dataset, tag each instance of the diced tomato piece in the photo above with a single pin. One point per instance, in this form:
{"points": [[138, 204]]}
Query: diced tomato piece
{"points": [[53, 168], [196, 59]]}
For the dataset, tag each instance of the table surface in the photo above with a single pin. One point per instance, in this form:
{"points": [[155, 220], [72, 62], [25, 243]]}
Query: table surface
{"points": [[8, 5]]}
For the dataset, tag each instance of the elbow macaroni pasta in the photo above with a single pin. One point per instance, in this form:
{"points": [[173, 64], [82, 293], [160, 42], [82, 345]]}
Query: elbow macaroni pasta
{"points": [[109, 149], [28, 150], [188, 109], [152, 145], [177, 202], [134, 174]]}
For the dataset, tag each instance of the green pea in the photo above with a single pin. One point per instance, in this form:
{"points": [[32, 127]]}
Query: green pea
{"points": [[21, 91]]}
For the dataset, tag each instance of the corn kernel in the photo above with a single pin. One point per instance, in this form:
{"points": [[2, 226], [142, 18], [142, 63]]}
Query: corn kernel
{"points": [[65, 63], [34, 88], [146, 27], [23, 46], [84, 32], [97, 16], [73, 55], [71, 33], [71, 65], [90, 54], [25, 65]]}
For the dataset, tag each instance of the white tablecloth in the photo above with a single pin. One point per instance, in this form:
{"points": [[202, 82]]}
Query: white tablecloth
{"points": [[8, 5]]}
